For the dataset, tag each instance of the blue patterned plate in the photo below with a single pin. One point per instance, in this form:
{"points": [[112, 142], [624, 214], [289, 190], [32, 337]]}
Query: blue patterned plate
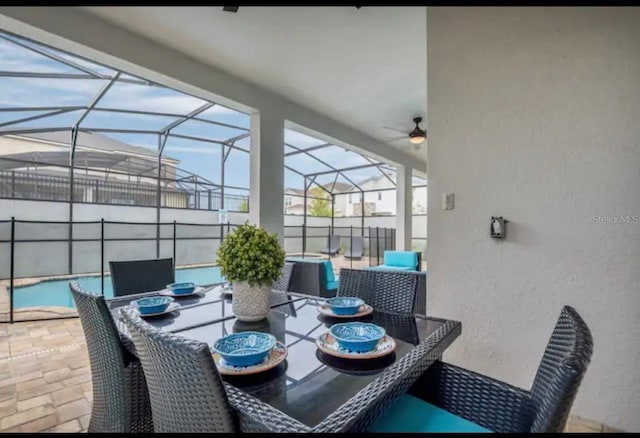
{"points": [[327, 344], [276, 356]]}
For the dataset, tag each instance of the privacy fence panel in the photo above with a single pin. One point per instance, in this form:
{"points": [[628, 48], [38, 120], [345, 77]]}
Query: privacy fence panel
{"points": [[197, 244], [83, 250], [41, 248], [5, 249]]}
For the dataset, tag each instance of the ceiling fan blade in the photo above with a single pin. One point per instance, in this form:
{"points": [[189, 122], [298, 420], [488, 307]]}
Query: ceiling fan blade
{"points": [[396, 130], [404, 137], [388, 141]]}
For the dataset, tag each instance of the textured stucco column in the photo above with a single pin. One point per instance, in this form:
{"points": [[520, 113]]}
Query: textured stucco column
{"points": [[404, 194], [266, 194]]}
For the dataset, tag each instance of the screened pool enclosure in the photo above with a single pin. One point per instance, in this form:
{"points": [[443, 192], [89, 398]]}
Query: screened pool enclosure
{"points": [[126, 168]]}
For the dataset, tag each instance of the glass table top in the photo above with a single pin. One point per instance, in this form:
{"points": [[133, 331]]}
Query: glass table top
{"points": [[310, 384]]}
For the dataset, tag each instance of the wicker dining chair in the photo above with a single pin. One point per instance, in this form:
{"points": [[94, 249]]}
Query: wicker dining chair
{"points": [[120, 396], [186, 392], [283, 282], [393, 291], [500, 407], [282, 285], [137, 276]]}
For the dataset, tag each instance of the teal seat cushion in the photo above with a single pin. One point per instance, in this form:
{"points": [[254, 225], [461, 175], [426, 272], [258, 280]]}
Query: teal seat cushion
{"points": [[330, 278], [396, 268], [410, 414], [401, 258]]}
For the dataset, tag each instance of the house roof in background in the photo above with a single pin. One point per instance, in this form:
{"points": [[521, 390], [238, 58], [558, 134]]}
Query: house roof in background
{"points": [[94, 140]]}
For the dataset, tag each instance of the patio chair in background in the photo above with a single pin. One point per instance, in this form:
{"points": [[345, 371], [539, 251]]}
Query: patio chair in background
{"points": [[283, 282], [313, 277], [357, 248], [137, 276], [120, 396], [399, 260], [333, 247], [447, 398], [393, 291]]}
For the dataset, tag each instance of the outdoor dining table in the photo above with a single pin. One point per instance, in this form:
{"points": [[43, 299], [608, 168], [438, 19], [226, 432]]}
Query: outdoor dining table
{"points": [[310, 391]]}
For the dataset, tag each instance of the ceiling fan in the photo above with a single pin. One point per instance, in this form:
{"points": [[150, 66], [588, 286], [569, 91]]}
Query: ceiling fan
{"points": [[416, 137]]}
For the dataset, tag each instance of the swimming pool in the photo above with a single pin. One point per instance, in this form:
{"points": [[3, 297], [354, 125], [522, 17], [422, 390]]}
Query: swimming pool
{"points": [[56, 292]]}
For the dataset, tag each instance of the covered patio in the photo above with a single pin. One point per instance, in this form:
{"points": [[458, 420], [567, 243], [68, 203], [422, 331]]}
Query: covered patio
{"points": [[172, 179]]}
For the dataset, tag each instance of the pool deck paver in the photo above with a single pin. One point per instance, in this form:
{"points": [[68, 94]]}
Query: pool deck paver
{"points": [[45, 379]]}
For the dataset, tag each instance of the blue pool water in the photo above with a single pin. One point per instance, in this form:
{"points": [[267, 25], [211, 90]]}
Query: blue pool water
{"points": [[56, 292]]}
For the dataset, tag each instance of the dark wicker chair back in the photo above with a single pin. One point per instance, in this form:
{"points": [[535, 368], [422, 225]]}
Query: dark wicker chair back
{"points": [[561, 370], [394, 291], [120, 397], [401, 327], [137, 276], [282, 284], [187, 394]]}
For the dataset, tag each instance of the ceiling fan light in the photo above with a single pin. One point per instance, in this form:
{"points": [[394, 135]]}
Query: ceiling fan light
{"points": [[418, 135], [417, 139]]}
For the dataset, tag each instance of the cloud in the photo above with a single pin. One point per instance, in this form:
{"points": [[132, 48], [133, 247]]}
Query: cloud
{"points": [[97, 68], [33, 92], [300, 140], [149, 98], [23, 59], [218, 109], [338, 157], [18, 59]]}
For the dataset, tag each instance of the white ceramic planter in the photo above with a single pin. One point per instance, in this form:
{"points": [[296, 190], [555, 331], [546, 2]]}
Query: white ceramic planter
{"points": [[250, 303]]}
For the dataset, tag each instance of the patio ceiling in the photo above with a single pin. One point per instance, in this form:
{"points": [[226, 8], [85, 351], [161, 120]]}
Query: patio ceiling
{"points": [[363, 67]]}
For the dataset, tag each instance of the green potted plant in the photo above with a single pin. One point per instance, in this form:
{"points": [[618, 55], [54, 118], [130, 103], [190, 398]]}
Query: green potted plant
{"points": [[251, 259]]}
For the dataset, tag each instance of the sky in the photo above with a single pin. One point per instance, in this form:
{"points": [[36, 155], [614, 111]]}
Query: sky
{"points": [[197, 157]]}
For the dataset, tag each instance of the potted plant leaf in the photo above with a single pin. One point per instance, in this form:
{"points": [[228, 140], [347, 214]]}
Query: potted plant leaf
{"points": [[251, 259]]}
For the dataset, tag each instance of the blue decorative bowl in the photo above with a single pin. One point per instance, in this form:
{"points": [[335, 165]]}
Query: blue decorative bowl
{"points": [[152, 305], [182, 288], [345, 305], [357, 336], [245, 348]]}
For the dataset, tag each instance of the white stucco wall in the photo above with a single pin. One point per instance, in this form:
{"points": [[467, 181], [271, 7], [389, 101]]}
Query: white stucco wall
{"points": [[533, 115]]}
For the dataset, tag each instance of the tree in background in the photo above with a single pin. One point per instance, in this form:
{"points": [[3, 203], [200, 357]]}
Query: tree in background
{"points": [[244, 206], [320, 202]]}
